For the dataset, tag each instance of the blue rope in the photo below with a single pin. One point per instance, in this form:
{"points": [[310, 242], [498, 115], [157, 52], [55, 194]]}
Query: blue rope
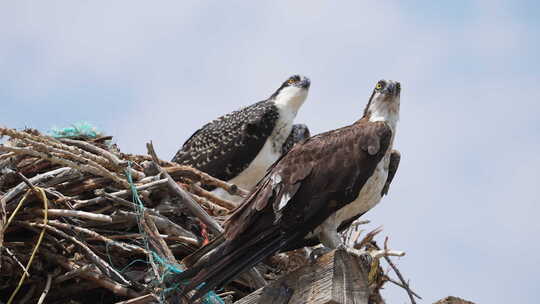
{"points": [[211, 297]]}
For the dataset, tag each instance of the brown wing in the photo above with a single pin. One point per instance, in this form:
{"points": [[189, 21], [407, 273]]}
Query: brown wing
{"points": [[298, 193], [395, 157], [314, 179]]}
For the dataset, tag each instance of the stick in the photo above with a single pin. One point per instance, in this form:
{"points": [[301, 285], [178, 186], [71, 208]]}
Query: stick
{"points": [[137, 175], [46, 290], [99, 279], [49, 178], [181, 239], [6, 155], [73, 273], [97, 236], [215, 209], [78, 214], [162, 223], [99, 262], [398, 273], [122, 193], [93, 168], [14, 257], [199, 176], [196, 210], [193, 207], [195, 189], [402, 286]]}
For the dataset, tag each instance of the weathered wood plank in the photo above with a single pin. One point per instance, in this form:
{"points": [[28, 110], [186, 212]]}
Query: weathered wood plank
{"points": [[335, 278], [453, 300]]}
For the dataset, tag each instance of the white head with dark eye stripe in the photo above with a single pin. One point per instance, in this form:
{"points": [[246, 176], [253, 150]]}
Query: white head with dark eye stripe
{"points": [[292, 93], [384, 102]]}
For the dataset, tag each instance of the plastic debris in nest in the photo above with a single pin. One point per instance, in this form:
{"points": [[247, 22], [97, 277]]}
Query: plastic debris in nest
{"points": [[82, 130]]}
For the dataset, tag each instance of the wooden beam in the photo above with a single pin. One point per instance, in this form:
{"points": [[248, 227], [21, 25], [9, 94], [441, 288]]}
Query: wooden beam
{"points": [[335, 278]]}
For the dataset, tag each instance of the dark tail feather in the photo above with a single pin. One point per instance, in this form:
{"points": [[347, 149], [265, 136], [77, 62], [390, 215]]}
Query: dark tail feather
{"points": [[230, 271], [222, 266], [199, 254]]}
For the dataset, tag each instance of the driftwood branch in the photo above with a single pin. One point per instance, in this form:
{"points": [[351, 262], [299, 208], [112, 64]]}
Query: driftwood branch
{"points": [[410, 293]]}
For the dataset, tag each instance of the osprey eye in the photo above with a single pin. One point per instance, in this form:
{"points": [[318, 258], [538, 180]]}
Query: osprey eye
{"points": [[291, 81], [378, 86]]}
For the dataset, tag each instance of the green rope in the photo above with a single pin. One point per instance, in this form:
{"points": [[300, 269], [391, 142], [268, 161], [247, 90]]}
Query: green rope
{"points": [[76, 130], [211, 297]]}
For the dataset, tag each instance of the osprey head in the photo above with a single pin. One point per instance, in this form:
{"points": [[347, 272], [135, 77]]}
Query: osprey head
{"points": [[292, 93], [384, 102]]}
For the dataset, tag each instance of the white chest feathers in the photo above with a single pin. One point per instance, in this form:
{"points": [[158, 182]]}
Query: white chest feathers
{"points": [[270, 153], [369, 195]]}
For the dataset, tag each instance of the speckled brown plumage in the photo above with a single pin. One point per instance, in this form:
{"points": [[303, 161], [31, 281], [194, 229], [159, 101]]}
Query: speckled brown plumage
{"points": [[225, 147]]}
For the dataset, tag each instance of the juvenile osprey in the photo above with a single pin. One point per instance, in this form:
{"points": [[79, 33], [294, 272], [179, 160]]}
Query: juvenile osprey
{"points": [[240, 146], [313, 189], [299, 133]]}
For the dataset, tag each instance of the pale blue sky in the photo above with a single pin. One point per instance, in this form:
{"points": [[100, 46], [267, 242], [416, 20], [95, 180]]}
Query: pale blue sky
{"points": [[464, 204]]}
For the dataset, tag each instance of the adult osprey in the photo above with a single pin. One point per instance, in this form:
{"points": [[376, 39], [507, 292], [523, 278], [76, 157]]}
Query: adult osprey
{"points": [[239, 147], [316, 187]]}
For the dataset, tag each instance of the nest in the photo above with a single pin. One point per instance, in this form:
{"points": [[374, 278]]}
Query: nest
{"points": [[82, 222]]}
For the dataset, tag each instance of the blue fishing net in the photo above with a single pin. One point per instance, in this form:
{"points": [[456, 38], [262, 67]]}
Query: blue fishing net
{"points": [[76, 130]]}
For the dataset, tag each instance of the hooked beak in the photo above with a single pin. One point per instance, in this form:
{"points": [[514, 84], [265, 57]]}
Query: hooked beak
{"points": [[304, 83], [393, 88]]}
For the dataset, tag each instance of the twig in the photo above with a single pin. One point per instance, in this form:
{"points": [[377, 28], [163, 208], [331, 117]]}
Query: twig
{"points": [[78, 214], [100, 263], [92, 168], [92, 276], [6, 155], [215, 209], [368, 238], [181, 239], [122, 193], [398, 273], [28, 183], [73, 273], [195, 189], [156, 240], [204, 178], [193, 207], [137, 175], [389, 279], [14, 257], [162, 223], [97, 236], [46, 290], [49, 178], [48, 144], [143, 227]]}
